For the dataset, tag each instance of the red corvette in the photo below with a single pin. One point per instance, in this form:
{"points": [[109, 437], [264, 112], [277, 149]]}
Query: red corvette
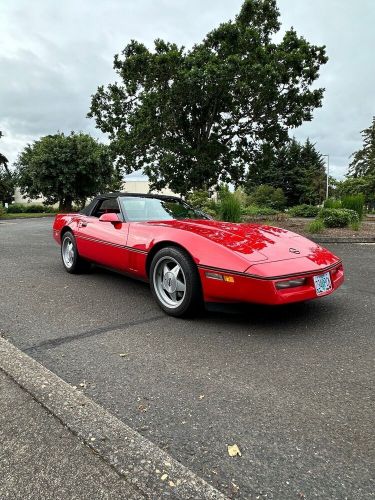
{"points": [[189, 258]]}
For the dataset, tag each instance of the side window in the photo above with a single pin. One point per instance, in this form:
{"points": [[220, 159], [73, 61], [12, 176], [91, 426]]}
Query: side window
{"points": [[106, 206]]}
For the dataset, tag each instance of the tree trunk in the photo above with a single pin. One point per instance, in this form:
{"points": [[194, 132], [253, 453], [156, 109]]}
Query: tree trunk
{"points": [[65, 204]]}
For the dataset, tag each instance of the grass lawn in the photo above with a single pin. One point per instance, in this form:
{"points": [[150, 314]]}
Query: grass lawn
{"points": [[25, 215]]}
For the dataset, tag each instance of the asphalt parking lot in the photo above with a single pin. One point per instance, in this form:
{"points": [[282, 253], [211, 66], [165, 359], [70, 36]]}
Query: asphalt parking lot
{"points": [[292, 387]]}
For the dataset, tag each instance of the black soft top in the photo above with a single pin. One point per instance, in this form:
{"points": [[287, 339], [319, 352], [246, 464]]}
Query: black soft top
{"points": [[87, 210]]}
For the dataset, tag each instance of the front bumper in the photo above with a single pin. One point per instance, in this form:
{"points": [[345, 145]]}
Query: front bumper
{"points": [[262, 290]]}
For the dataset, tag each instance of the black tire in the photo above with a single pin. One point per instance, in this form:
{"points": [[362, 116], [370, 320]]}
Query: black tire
{"points": [[187, 303], [77, 265]]}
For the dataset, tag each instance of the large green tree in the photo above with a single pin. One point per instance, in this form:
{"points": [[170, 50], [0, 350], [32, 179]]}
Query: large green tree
{"points": [[193, 118], [298, 169], [66, 169], [6, 180], [363, 163]]}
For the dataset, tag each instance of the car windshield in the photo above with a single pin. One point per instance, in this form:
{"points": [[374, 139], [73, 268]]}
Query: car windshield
{"points": [[144, 209]]}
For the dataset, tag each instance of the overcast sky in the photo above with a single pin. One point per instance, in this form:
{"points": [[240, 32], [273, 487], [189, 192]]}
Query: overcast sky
{"points": [[53, 55]]}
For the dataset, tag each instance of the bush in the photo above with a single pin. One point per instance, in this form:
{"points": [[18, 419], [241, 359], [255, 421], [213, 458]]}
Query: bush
{"points": [[2, 211], [303, 211], [316, 226], [268, 196], [202, 201], [355, 226], [332, 203], [354, 202], [28, 208], [338, 217], [230, 208], [256, 211], [16, 208]]}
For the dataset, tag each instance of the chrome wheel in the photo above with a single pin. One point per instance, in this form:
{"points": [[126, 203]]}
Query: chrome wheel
{"points": [[169, 282], [68, 252]]}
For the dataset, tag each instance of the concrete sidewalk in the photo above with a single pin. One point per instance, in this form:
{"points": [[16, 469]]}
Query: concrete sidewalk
{"points": [[40, 458]]}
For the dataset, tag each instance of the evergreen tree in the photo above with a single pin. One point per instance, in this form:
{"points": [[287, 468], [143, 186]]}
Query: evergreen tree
{"points": [[363, 163]]}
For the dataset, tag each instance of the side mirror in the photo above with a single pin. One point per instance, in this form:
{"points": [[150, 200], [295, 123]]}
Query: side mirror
{"points": [[111, 217]]}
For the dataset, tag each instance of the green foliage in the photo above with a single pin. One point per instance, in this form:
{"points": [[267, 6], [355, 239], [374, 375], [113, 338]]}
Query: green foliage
{"points": [[354, 202], [255, 211], [299, 169], [201, 200], [363, 163], [355, 226], [66, 169], [194, 118], [338, 217], [2, 210], [268, 196], [357, 185], [230, 208], [316, 226], [16, 208], [332, 203], [303, 211]]}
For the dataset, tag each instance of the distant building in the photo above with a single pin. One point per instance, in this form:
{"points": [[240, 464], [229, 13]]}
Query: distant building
{"points": [[142, 187], [130, 186]]}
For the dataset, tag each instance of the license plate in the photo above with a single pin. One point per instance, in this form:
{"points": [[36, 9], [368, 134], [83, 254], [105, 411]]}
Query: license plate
{"points": [[322, 283]]}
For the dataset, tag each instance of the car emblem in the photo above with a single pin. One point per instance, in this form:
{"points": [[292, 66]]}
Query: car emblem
{"points": [[294, 250]]}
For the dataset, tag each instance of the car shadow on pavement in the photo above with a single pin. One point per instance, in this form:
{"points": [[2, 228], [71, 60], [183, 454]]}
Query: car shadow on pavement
{"points": [[275, 317]]}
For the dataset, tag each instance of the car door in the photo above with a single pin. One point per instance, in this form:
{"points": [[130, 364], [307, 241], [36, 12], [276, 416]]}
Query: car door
{"points": [[104, 242]]}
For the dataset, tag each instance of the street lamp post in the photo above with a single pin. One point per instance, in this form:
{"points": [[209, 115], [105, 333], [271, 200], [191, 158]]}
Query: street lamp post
{"points": [[327, 184]]}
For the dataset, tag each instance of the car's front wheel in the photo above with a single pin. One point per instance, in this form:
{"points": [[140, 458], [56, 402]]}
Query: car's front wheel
{"points": [[72, 261], [175, 282]]}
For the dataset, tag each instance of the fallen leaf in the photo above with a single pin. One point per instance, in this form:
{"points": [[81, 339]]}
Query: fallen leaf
{"points": [[233, 450], [123, 354], [164, 477], [142, 408], [201, 396], [234, 487]]}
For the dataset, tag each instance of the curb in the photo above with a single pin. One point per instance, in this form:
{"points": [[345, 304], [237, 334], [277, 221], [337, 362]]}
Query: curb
{"points": [[328, 239], [6, 219], [140, 462]]}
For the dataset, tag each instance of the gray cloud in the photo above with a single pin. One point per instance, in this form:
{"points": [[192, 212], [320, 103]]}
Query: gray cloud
{"points": [[53, 55]]}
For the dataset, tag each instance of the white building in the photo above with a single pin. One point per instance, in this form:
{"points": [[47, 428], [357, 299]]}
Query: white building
{"points": [[130, 186]]}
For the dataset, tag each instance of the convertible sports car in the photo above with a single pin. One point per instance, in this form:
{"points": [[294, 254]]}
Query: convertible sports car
{"points": [[190, 259]]}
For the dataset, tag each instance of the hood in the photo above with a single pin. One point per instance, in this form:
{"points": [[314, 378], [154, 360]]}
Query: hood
{"points": [[253, 241]]}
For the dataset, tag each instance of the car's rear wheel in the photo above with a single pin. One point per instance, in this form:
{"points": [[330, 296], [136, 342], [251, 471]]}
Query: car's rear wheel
{"points": [[72, 261], [175, 282]]}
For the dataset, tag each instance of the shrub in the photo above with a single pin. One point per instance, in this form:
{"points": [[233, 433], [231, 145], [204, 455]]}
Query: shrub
{"points": [[355, 226], [303, 211], [316, 226], [202, 201], [16, 208], [35, 209], [354, 202], [29, 208], [230, 208], [268, 196], [256, 211], [332, 203], [2, 211], [338, 217]]}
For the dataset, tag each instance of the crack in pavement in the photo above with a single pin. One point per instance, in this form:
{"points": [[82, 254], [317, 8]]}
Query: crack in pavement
{"points": [[56, 342]]}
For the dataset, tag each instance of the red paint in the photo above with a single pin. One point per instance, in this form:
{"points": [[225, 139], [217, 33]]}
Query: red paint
{"points": [[252, 253]]}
